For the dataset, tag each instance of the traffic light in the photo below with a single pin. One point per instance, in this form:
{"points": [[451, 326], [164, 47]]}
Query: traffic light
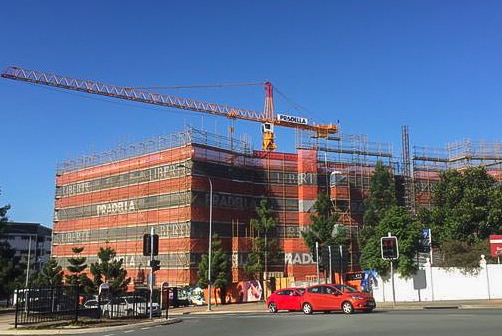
{"points": [[155, 265], [324, 262], [424, 245], [389, 248], [147, 244]]}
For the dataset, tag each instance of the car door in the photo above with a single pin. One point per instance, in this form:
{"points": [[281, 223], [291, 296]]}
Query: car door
{"points": [[315, 297], [334, 298], [292, 300]]}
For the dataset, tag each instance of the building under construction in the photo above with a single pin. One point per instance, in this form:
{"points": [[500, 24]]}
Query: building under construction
{"points": [[113, 199]]}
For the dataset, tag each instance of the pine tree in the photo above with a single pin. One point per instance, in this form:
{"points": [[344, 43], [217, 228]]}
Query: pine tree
{"points": [[264, 246], [77, 276], [110, 270], [323, 224], [50, 275], [220, 270]]}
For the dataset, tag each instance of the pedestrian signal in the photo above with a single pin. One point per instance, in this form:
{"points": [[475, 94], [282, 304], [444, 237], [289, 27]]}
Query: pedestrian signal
{"points": [[389, 248]]}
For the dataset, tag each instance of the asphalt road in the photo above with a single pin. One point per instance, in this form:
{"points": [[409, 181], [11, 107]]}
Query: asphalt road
{"points": [[389, 323]]}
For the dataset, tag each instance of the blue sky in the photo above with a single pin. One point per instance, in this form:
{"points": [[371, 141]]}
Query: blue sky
{"points": [[375, 66]]}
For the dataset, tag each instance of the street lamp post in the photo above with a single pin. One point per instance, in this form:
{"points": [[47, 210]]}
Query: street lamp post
{"points": [[210, 248]]}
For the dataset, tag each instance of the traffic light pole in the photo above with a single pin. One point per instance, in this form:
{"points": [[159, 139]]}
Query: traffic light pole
{"points": [[392, 278], [151, 271]]}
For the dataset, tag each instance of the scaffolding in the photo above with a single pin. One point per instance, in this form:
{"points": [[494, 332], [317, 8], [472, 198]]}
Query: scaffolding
{"points": [[346, 164], [428, 163]]}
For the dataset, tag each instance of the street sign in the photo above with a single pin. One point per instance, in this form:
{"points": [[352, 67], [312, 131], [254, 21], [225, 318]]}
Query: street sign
{"points": [[496, 245]]}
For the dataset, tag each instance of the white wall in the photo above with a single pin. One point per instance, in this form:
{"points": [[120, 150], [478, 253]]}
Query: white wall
{"points": [[444, 284]]}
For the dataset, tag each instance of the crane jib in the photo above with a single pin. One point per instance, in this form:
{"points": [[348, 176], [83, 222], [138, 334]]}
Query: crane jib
{"points": [[127, 93]]}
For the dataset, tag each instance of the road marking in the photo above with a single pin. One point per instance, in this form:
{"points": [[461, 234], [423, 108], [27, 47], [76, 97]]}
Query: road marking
{"points": [[129, 331]]}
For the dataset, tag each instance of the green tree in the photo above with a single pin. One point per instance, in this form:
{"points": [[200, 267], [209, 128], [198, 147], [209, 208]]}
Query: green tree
{"points": [[467, 208], [398, 221], [381, 216], [455, 253], [264, 246], [76, 275], [220, 269], [50, 275], [3, 214], [322, 229], [110, 270], [11, 268], [382, 196]]}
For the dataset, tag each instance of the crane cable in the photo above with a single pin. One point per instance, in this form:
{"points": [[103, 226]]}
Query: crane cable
{"points": [[195, 86]]}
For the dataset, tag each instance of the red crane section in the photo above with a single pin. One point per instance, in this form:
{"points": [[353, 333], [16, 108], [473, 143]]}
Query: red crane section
{"points": [[267, 118]]}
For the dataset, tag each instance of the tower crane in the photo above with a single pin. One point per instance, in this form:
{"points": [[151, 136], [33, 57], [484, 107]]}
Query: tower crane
{"points": [[267, 118]]}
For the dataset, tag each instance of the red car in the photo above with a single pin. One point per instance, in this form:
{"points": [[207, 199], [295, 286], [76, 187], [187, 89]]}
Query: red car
{"points": [[330, 297], [285, 299]]}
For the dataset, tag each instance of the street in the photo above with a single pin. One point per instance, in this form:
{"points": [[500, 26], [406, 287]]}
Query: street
{"points": [[432, 322]]}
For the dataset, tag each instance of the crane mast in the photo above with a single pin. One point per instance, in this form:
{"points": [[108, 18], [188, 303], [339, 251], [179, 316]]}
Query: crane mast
{"points": [[267, 117]]}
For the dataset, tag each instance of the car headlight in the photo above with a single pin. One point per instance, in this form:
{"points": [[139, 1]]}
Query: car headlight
{"points": [[356, 297]]}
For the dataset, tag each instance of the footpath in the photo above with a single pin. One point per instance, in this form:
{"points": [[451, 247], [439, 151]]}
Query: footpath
{"points": [[175, 315]]}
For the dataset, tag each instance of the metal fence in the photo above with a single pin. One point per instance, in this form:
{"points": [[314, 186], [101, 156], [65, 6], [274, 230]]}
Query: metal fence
{"points": [[67, 303]]}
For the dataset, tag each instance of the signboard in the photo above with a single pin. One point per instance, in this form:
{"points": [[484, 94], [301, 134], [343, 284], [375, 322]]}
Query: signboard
{"points": [[496, 245], [292, 119]]}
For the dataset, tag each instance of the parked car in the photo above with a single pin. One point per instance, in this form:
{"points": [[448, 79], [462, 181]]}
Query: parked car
{"points": [[329, 297], [285, 299], [93, 303], [156, 311], [131, 306]]}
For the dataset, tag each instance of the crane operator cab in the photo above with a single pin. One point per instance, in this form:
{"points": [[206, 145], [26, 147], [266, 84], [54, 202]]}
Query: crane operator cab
{"points": [[268, 143]]}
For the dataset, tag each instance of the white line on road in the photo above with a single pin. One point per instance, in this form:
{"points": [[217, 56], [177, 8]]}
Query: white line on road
{"points": [[129, 331]]}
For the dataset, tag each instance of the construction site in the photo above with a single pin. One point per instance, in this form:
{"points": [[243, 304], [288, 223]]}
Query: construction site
{"points": [[192, 184]]}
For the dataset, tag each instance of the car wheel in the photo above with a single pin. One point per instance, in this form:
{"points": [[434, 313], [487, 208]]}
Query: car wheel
{"points": [[307, 308], [272, 307], [347, 307]]}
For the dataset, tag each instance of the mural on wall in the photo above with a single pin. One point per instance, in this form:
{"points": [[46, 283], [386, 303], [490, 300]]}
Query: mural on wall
{"points": [[252, 291]]}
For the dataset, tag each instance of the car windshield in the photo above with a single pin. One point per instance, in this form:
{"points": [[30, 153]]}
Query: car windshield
{"points": [[346, 289]]}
